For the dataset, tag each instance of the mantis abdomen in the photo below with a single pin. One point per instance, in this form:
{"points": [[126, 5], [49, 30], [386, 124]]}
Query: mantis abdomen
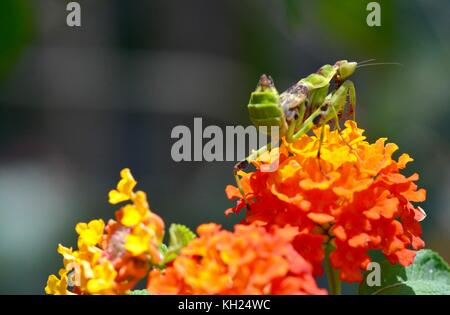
{"points": [[264, 106]]}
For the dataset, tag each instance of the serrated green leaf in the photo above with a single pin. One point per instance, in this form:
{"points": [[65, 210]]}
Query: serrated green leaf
{"points": [[428, 275], [139, 292], [180, 235]]}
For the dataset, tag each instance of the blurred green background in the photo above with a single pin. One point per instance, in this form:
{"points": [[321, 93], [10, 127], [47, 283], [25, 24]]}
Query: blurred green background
{"points": [[79, 104]]}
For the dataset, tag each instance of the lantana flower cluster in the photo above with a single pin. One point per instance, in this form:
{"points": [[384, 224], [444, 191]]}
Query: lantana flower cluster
{"points": [[333, 208], [250, 260], [111, 259], [353, 198]]}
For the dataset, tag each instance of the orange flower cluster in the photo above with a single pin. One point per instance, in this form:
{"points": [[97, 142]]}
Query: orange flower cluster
{"points": [[252, 260], [356, 199], [112, 259]]}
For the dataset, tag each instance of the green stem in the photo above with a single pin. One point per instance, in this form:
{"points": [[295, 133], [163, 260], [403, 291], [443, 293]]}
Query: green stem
{"points": [[334, 283]]}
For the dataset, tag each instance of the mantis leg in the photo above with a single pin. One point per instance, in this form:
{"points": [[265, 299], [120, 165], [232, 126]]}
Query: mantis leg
{"points": [[294, 124], [241, 165], [291, 129], [351, 92], [322, 133], [338, 128], [305, 126], [328, 111]]}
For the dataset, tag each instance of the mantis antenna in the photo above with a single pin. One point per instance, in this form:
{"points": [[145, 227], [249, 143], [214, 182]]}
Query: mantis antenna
{"points": [[380, 63], [365, 61]]}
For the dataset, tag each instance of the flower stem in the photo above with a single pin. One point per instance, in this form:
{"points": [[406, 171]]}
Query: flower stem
{"points": [[334, 283]]}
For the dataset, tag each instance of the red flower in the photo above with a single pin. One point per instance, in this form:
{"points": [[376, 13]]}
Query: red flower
{"points": [[357, 199]]}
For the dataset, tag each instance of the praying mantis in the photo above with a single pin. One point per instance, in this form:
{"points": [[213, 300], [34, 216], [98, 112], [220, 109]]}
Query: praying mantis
{"points": [[305, 105]]}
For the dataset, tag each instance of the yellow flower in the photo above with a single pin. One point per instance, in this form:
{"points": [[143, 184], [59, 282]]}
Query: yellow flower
{"points": [[103, 281], [90, 234], [56, 285], [124, 190], [138, 242], [78, 268], [131, 216], [67, 253], [85, 271], [136, 213], [141, 203], [112, 259]]}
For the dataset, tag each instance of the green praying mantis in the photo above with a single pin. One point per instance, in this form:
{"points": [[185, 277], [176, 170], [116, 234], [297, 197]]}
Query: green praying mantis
{"points": [[308, 104]]}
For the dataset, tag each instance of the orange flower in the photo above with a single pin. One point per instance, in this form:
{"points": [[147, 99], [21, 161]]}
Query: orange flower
{"points": [[251, 260], [356, 198]]}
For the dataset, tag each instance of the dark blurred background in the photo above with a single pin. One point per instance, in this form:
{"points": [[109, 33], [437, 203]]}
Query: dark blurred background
{"points": [[77, 104]]}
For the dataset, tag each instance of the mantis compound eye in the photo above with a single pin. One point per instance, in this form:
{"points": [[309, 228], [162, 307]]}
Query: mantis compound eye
{"points": [[346, 69], [265, 82]]}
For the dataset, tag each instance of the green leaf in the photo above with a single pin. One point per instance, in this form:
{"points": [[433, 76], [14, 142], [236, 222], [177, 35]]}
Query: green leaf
{"points": [[179, 237], [428, 275], [139, 292], [167, 255]]}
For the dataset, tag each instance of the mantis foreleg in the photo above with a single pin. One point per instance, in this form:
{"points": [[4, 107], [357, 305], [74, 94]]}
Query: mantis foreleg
{"points": [[241, 165], [322, 133], [349, 87], [340, 102]]}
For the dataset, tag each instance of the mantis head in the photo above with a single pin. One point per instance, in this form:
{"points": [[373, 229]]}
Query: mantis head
{"points": [[345, 69], [265, 83]]}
